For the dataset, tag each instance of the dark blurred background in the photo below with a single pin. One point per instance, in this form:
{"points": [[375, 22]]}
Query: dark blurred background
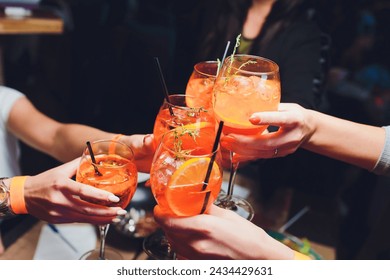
{"points": [[101, 72]]}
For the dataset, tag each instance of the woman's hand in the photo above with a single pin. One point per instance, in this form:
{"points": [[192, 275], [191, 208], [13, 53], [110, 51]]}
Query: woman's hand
{"points": [[54, 197], [143, 148], [294, 129], [219, 234]]}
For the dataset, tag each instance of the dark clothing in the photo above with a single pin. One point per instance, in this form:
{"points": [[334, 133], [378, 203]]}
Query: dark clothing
{"points": [[291, 39], [296, 46], [295, 42]]}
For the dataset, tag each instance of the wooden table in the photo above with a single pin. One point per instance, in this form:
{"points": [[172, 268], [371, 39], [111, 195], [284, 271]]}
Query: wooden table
{"points": [[24, 248]]}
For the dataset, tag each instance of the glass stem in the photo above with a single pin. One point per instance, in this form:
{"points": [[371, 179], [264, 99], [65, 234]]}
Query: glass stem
{"points": [[232, 178], [103, 233]]}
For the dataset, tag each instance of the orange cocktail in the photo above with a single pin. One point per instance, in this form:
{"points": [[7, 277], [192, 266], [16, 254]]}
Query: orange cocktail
{"points": [[118, 176], [246, 84], [108, 165], [200, 85], [179, 170], [181, 115]]}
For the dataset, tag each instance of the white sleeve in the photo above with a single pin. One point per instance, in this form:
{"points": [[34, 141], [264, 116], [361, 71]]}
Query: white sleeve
{"points": [[382, 166], [8, 96]]}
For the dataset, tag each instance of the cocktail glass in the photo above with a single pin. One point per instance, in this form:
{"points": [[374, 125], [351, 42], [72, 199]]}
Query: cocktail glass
{"points": [[200, 85], [178, 180], [177, 113], [117, 173], [245, 84]]}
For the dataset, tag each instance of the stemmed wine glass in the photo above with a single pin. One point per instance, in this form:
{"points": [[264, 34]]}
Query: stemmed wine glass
{"points": [[200, 84], [245, 84], [108, 165], [176, 112], [186, 177]]}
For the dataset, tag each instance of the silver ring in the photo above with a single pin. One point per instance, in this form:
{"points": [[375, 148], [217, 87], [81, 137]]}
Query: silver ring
{"points": [[276, 152]]}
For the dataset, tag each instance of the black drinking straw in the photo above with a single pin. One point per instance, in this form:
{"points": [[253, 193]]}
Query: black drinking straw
{"points": [[210, 167], [97, 172], [164, 85]]}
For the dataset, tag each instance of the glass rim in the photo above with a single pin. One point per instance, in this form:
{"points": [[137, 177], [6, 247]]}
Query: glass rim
{"points": [[209, 62], [181, 107], [87, 155], [257, 58]]}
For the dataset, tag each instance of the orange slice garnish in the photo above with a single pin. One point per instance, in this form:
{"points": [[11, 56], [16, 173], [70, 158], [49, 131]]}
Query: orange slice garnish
{"points": [[185, 194]]}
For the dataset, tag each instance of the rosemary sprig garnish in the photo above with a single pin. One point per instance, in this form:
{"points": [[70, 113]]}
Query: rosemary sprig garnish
{"points": [[234, 52], [193, 112], [228, 75], [178, 143], [245, 64]]}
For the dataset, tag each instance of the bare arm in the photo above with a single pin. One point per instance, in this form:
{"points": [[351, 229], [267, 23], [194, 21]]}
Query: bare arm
{"points": [[67, 141], [344, 140], [62, 141], [354, 143]]}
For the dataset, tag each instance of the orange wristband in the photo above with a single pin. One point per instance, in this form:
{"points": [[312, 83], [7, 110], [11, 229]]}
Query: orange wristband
{"points": [[300, 256], [18, 205], [111, 148]]}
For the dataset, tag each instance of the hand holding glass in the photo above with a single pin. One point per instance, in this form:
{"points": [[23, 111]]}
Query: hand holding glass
{"points": [[113, 169], [245, 84], [178, 179]]}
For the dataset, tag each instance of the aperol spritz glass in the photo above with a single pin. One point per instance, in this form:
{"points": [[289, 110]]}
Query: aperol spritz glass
{"points": [[245, 84], [200, 85], [178, 179], [175, 112], [117, 173]]}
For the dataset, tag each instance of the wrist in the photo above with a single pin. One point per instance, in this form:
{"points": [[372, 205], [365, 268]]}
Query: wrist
{"points": [[5, 203], [16, 195], [311, 127], [272, 249]]}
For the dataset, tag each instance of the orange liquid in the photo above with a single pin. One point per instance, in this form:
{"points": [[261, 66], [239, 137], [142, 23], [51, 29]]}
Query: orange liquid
{"points": [[237, 98], [165, 122], [199, 92], [119, 176], [183, 200]]}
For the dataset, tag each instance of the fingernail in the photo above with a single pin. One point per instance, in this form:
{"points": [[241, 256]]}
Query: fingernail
{"points": [[116, 220], [254, 119], [121, 212], [147, 138], [113, 198]]}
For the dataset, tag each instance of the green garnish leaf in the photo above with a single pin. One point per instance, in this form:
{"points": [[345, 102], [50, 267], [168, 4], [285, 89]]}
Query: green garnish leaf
{"points": [[178, 143]]}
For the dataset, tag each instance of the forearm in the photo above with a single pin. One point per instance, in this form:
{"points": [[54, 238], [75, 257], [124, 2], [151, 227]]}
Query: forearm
{"points": [[354, 143], [69, 140]]}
